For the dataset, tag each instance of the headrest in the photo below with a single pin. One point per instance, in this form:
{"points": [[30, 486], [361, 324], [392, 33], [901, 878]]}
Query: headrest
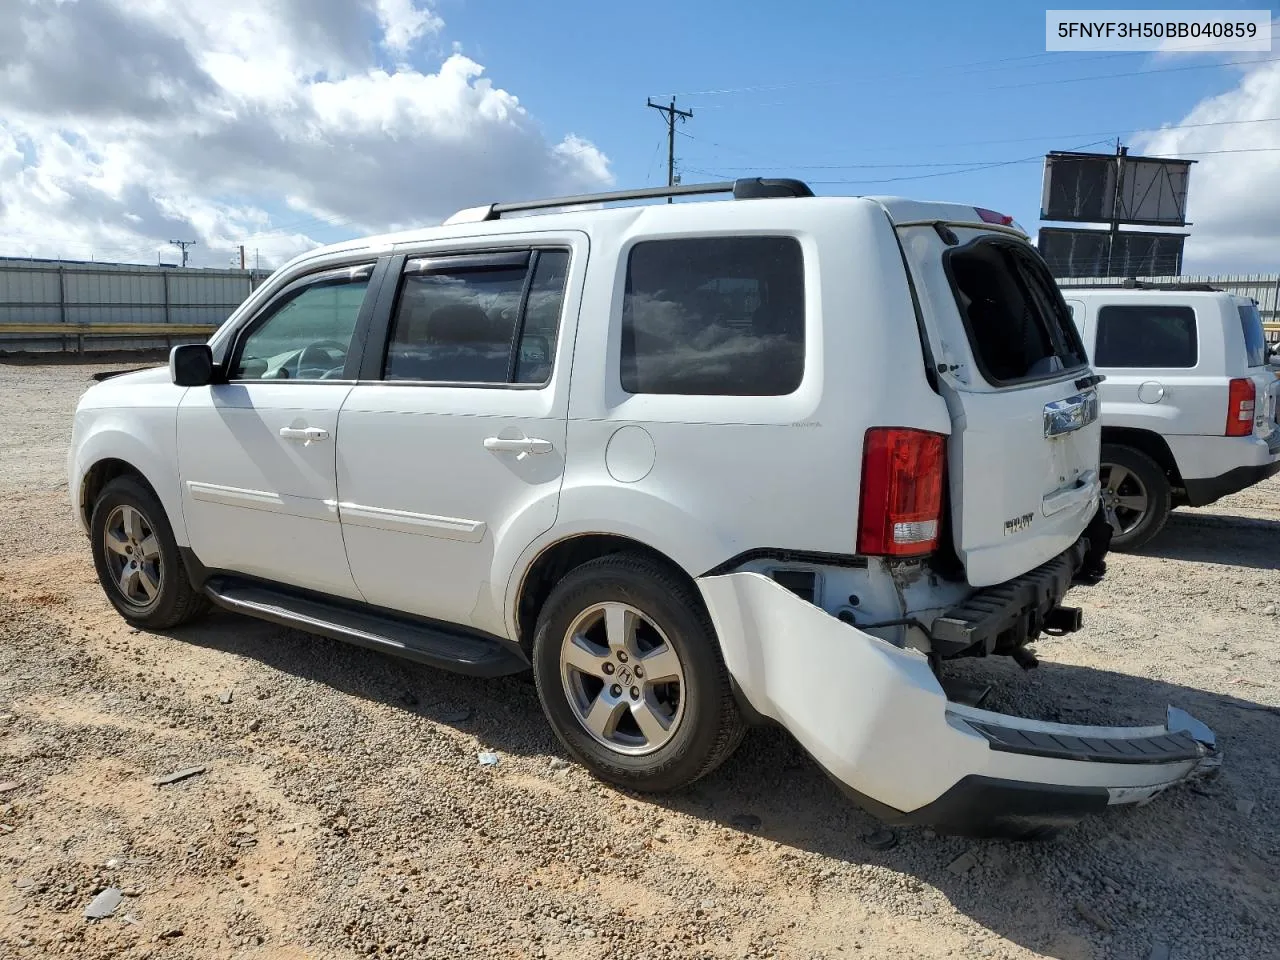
{"points": [[459, 323]]}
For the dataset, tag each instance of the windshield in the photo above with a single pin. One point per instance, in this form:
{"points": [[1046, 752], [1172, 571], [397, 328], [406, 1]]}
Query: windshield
{"points": [[1255, 341]]}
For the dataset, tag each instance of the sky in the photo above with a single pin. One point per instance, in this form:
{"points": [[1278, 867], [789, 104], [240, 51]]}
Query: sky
{"points": [[283, 124]]}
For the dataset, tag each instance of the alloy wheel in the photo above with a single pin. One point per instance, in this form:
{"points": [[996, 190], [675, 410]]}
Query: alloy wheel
{"points": [[133, 556], [623, 679], [1124, 498]]}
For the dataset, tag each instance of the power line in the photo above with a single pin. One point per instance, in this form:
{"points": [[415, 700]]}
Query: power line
{"points": [[1131, 73], [869, 165], [1038, 157], [649, 170], [797, 84], [925, 176]]}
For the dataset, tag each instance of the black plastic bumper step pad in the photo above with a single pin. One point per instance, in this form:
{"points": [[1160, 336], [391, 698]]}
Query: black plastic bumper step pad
{"points": [[1166, 748]]}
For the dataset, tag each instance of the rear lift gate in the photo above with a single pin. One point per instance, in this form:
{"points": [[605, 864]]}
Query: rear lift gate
{"points": [[875, 718], [1023, 454]]}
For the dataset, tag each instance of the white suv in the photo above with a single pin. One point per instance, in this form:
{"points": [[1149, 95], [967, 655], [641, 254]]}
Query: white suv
{"points": [[695, 464], [1189, 404]]}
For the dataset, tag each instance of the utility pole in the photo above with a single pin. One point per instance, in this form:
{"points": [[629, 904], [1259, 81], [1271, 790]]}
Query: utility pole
{"points": [[1121, 152], [671, 113], [242, 256], [183, 244]]}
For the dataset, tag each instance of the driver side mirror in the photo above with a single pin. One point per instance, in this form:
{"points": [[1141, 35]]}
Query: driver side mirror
{"points": [[191, 365]]}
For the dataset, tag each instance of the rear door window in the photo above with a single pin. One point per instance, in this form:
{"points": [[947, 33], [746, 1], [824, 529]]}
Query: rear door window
{"points": [[1146, 335], [1018, 324], [489, 318], [1255, 338]]}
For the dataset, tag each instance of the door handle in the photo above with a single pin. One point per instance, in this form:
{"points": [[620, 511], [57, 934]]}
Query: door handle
{"points": [[307, 435], [522, 447]]}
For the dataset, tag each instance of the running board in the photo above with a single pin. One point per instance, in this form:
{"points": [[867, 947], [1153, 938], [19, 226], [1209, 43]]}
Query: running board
{"points": [[435, 644]]}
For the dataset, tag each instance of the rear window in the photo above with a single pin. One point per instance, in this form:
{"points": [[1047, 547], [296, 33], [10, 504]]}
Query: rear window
{"points": [[1018, 324], [1255, 339], [1146, 335], [714, 315]]}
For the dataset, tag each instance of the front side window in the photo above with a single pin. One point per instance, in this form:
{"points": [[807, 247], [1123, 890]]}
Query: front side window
{"points": [[1255, 338], [1018, 324], [474, 320], [308, 334], [714, 315], [1146, 335]]}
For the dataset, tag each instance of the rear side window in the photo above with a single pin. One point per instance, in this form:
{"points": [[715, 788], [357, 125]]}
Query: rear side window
{"points": [[1255, 338], [1146, 335], [478, 319], [1018, 324], [714, 315]]}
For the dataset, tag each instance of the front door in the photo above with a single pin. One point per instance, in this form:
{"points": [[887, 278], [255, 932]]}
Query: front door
{"points": [[450, 461], [256, 454]]}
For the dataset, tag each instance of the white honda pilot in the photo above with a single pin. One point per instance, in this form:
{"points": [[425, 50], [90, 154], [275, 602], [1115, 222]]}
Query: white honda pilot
{"points": [[696, 464]]}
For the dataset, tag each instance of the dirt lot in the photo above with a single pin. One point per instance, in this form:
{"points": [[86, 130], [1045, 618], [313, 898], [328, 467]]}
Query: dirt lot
{"points": [[343, 813]]}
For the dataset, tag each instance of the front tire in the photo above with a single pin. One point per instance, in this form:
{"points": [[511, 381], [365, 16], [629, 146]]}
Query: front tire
{"points": [[137, 558], [1136, 496], [630, 675]]}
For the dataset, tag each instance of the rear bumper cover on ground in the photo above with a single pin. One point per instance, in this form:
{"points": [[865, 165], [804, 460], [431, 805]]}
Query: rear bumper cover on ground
{"points": [[876, 720]]}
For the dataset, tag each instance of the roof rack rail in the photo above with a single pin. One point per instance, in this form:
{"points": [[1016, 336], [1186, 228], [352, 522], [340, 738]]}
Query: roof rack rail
{"points": [[1190, 286], [746, 188]]}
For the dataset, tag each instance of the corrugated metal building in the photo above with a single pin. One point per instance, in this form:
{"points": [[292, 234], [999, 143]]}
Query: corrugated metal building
{"points": [[57, 305]]}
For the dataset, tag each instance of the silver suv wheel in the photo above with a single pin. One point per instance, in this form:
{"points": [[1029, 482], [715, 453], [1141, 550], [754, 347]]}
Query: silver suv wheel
{"points": [[1124, 498], [624, 681], [133, 556]]}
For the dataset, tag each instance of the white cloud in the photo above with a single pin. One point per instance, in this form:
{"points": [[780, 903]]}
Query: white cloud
{"points": [[1233, 200], [403, 23], [127, 123]]}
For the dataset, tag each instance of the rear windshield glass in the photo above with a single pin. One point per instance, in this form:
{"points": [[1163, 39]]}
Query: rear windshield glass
{"points": [[1018, 324], [1146, 335], [1255, 340]]}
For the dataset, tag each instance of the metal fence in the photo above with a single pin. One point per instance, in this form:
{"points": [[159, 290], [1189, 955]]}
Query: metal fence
{"points": [[1261, 287], [68, 305]]}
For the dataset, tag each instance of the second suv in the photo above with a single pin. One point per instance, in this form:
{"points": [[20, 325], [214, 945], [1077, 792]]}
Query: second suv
{"points": [[1189, 404], [694, 464]]}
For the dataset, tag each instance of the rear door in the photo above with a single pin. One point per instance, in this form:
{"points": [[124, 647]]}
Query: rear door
{"points": [[451, 447], [1162, 357], [1023, 459]]}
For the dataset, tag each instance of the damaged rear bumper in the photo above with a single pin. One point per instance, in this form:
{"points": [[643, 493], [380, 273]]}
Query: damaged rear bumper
{"points": [[875, 718]]}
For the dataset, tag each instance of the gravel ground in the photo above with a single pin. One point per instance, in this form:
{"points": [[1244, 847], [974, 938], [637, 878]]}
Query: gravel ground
{"points": [[342, 811]]}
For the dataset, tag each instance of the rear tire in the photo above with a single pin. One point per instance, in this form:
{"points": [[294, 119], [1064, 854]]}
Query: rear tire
{"points": [[656, 728], [1136, 496], [137, 558]]}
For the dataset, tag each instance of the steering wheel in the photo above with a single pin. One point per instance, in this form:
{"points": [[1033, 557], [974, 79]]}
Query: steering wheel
{"points": [[311, 367]]}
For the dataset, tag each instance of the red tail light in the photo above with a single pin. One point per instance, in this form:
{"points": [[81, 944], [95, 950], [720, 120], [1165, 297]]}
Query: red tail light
{"points": [[1240, 404], [901, 504], [991, 216]]}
